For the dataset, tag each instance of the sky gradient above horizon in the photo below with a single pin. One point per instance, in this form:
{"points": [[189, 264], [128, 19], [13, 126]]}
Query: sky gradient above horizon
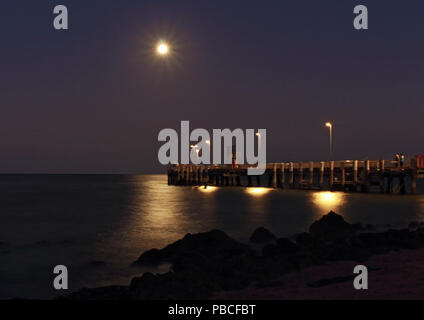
{"points": [[93, 99]]}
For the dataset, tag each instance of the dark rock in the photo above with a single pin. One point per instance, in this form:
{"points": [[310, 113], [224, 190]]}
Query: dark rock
{"points": [[344, 249], [207, 262], [153, 257], [287, 246], [310, 243], [212, 243], [369, 227], [283, 246], [262, 235], [332, 226], [201, 264], [170, 286], [157, 256], [208, 244]]}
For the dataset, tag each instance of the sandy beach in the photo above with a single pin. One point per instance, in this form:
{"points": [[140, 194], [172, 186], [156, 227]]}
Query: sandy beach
{"points": [[396, 275]]}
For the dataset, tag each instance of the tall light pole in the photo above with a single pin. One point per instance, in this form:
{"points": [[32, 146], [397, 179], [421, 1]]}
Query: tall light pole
{"points": [[329, 125]]}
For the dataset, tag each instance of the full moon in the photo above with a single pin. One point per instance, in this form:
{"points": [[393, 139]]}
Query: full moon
{"points": [[162, 49]]}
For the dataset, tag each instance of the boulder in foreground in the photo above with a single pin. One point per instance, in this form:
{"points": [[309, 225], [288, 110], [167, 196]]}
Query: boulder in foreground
{"points": [[261, 236], [332, 226], [210, 244]]}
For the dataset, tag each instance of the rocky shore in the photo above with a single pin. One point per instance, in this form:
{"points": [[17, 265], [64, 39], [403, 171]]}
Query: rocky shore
{"points": [[211, 264]]}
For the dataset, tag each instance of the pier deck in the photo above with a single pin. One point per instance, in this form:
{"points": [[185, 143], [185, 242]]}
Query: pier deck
{"points": [[384, 176]]}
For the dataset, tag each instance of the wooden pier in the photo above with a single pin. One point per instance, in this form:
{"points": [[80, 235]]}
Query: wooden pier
{"points": [[384, 176]]}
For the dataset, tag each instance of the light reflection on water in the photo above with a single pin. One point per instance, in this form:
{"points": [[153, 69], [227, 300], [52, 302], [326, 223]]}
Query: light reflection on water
{"points": [[207, 189], [115, 218], [326, 201], [257, 191], [157, 214]]}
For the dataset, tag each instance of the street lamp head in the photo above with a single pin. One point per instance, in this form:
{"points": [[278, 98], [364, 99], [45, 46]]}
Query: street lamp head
{"points": [[258, 134], [328, 124]]}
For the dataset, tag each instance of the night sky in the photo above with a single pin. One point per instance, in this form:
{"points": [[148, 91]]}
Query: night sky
{"points": [[92, 99]]}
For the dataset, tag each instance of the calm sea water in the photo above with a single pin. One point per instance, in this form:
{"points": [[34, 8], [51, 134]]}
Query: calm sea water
{"points": [[97, 225]]}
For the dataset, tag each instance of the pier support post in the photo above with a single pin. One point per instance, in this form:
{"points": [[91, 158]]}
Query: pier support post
{"points": [[282, 175], [342, 166], [355, 174], [184, 180], [190, 174], [291, 175], [169, 176], [331, 174], [174, 176], [366, 176], [389, 187], [311, 174], [321, 174], [249, 181], [238, 181], [178, 174], [414, 183], [274, 176], [402, 183], [269, 173], [258, 180], [202, 176], [202, 180], [382, 165], [414, 168], [300, 174], [196, 175], [382, 177]]}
